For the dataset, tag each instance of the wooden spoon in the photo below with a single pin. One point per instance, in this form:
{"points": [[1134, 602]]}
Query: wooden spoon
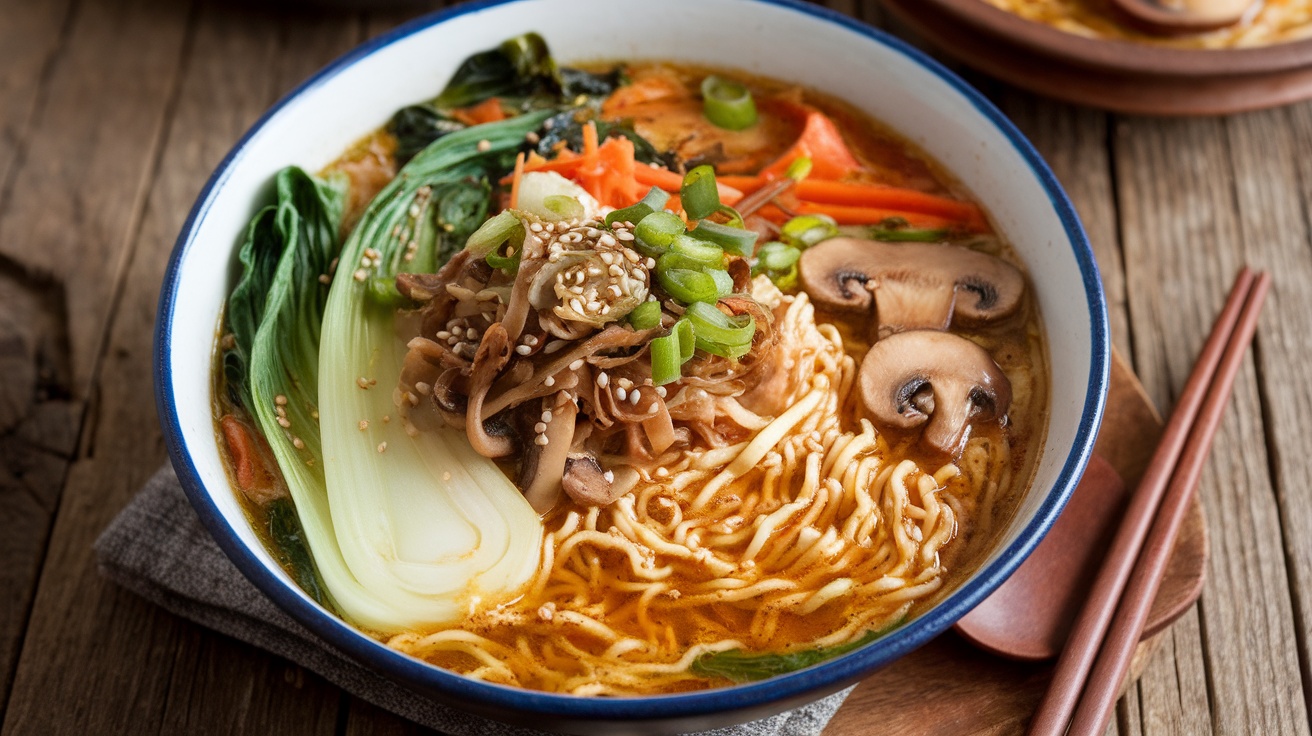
{"points": [[1170, 17]]}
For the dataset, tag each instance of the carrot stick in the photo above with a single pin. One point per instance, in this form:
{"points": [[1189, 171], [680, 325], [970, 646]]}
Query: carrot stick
{"points": [[845, 215], [514, 180], [876, 196], [487, 111]]}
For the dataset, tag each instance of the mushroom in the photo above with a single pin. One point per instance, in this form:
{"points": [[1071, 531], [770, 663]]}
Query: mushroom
{"points": [[546, 456], [589, 485], [914, 285], [937, 379]]}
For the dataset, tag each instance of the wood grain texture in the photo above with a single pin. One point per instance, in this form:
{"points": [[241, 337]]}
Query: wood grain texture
{"points": [[153, 671], [31, 32], [1176, 201]]}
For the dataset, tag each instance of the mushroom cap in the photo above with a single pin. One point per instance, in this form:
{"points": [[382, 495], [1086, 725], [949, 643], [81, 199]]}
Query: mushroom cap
{"points": [[912, 285], [937, 380]]}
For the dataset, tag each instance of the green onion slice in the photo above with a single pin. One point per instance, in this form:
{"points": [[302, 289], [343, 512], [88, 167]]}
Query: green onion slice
{"points": [[655, 198], [563, 206], [799, 169], [633, 213], [687, 285], [733, 239], [698, 194], [491, 234], [508, 263], [805, 231], [666, 359], [704, 254], [654, 233], [723, 282], [727, 103], [687, 339], [715, 329], [645, 316]]}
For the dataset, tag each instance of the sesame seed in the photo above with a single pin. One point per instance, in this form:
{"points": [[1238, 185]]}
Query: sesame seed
{"points": [[594, 305], [282, 422], [609, 475], [615, 271], [607, 258], [323, 279], [280, 400], [443, 335], [626, 383], [594, 271], [553, 346], [535, 227], [651, 263], [382, 447], [540, 427], [297, 443], [362, 382], [371, 253], [531, 340], [621, 394], [607, 239], [660, 391], [471, 334], [576, 364], [458, 331], [484, 146], [638, 275], [422, 388], [360, 275], [576, 290], [541, 440], [364, 424], [624, 235], [546, 416], [446, 475], [576, 305], [387, 418], [414, 210], [614, 290], [662, 472], [633, 397], [523, 349], [532, 137], [550, 381], [280, 411], [603, 379]]}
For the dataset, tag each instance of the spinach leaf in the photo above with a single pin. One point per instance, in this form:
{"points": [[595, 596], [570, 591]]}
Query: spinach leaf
{"points": [[520, 67], [737, 665], [417, 126], [576, 82]]}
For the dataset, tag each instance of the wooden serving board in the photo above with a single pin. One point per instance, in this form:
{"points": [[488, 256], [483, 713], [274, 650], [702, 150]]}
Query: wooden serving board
{"points": [[950, 687]]}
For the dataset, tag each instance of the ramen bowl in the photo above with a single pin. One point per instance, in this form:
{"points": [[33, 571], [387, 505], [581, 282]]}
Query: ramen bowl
{"points": [[791, 41]]}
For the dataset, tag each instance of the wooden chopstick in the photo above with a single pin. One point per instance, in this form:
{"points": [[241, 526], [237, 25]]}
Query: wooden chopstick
{"points": [[1113, 660], [1077, 658]]}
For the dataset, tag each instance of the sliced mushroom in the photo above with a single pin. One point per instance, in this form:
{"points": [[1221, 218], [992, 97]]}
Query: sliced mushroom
{"points": [[936, 379], [912, 285], [493, 354], [544, 460], [588, 484]]}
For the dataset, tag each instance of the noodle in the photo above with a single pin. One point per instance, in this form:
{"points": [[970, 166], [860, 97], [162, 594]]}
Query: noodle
{"points": [[1276, 21], [842, 540]]}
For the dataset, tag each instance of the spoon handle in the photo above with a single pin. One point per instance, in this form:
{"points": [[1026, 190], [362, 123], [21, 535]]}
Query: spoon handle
{"points": [[1090, 626], [1113, 661]]}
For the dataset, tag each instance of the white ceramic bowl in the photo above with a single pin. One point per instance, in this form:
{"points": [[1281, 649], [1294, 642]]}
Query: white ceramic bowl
{"points": [[778, 38]]}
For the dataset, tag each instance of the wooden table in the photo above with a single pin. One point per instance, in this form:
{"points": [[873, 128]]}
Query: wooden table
{"points": [[113, 113]]}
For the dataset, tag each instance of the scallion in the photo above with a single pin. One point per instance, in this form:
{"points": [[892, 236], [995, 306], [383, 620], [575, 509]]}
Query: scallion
{"points": [[687, 335], [687, 285], [654, 233], [805, 231], [491, 234], [727, 103], [666, 361], [645, 316], [700, 252], [723, 282], [698, 194], [717, 329], [563, 206], [735, 240]]}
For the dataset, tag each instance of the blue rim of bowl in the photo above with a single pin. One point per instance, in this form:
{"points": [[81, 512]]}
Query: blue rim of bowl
{"points": [[794, 687]]}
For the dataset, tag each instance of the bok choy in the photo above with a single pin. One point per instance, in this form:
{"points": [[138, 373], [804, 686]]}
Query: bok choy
{"points": [[412, 530]]}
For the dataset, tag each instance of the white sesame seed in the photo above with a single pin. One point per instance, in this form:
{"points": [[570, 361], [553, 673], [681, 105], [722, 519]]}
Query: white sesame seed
{"points": [[576, 364], [609, 475], [414, 210], [282, 422], [638, 275], [540, 427], [594, 306], [531, 340], [614, 290], [594, 271], [387, 418], [280, 400], [446, 475], [550, 381], [382, 447], [660, 391], [280, 411], [621, 394], [553, 346], [541, 440], [323, 279], [458, 331], [535, 227], [362, 382], [576, 305], [651, 263], [422, 388], [523, 349], [624, 235], [484, 146], [297, 443], [607, 239], [361, 275], [662, 472], [576, 290], [603, 379], [546, 416], [364, 424], [626, 383], [471, 334], [370, 252], [443, 335], [607, 258]]}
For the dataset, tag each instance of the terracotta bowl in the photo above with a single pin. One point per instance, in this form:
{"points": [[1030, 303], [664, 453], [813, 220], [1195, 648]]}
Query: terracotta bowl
{"points": [[1115, 74]]}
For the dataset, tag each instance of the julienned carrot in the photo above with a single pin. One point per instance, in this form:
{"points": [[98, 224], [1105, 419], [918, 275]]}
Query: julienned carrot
{"points": [[875, 196], [514, 180], [821, 142], [671, 182]]}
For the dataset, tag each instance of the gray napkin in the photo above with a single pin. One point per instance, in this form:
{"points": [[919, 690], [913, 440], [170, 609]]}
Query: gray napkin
{"points": [[157, 548]]}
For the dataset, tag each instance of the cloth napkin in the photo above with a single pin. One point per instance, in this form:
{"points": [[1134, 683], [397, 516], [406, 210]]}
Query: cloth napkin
{"points": [[157, 548]]}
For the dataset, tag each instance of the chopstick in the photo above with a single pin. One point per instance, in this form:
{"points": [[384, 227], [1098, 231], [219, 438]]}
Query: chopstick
{"points": [[1183, 443]]}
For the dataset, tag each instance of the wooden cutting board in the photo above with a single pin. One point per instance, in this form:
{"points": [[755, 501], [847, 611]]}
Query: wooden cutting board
{"points": [[950, 687]]}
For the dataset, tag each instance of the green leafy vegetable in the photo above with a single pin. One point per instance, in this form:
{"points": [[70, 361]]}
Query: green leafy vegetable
{"points": [[274, 313], [567, 127], [417, 126], [737, 665], [520, 67]]}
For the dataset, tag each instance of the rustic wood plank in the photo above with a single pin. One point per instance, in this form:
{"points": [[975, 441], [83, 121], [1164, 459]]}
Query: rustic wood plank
{"points": [[30, 36], [132, 667], [69, 190], [1273, 189], [1175, 203]]}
